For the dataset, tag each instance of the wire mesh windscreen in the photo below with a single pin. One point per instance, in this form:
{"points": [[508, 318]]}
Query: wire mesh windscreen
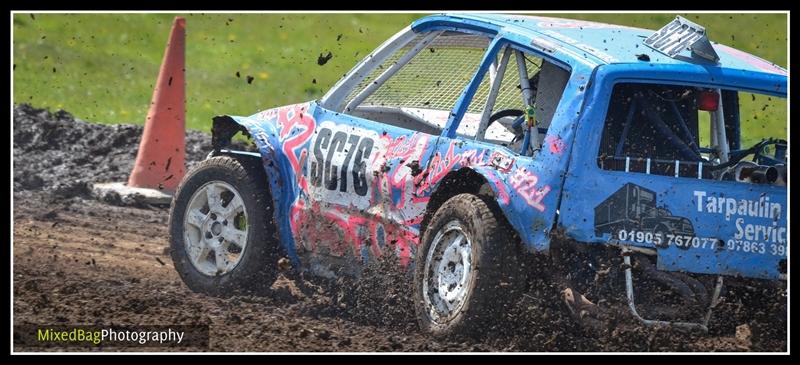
{"points": [[434, 78]]}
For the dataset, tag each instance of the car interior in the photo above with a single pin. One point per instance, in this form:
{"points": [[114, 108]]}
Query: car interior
{"points": [[672, 130], [420, 94]]}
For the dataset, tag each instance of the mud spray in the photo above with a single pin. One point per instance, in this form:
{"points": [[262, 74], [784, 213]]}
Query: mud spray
{"points": [[80, 259]]}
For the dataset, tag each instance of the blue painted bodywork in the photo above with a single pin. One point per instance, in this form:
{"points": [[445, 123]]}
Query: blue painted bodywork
{"points": [[588, 185], [559, 187], [279, 173]]}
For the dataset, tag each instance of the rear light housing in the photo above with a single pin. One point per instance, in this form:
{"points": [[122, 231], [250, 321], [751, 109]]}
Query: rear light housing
{"points": [[708, 101]]}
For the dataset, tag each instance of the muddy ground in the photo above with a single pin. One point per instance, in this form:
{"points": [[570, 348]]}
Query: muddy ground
{"points": [[83, 260]]}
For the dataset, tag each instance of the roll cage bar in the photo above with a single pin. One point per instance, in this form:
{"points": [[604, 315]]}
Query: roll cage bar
{"points": [[335, 99]]}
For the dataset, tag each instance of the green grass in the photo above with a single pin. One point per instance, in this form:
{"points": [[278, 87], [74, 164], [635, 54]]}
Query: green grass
{"points": [[106, 64], [101, 67]]}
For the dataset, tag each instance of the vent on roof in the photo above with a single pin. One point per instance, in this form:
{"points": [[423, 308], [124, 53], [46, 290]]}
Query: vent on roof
{"points": [[680, 35]]}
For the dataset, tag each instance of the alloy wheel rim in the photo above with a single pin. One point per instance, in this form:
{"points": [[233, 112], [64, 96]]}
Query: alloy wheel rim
{"points": [[215, 228]]}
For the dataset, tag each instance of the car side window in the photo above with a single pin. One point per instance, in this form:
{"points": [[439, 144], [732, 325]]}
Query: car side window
{"points": [[691, 132], [497, 111], [425, 78], [507, 100]]}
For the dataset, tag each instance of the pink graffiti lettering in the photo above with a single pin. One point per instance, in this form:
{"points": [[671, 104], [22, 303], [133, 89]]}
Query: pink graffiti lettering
{"points": [[502, 194], [290, 118], [344, 233], [398, 237], [524, 183], [472, 158], [437, 169]]}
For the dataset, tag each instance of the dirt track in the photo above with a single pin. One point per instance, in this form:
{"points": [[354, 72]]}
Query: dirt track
{"points": [[78, 260]]}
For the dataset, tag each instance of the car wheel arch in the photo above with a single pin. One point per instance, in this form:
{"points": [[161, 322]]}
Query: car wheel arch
{"points": [[270, 157], [463, 180], [225, 127]]}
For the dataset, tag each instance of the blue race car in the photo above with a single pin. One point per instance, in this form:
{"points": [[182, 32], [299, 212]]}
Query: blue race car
{"points": [[467, 144]]}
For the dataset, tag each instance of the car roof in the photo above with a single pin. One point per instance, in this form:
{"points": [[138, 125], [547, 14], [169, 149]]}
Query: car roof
{"points": [[602, 43]]}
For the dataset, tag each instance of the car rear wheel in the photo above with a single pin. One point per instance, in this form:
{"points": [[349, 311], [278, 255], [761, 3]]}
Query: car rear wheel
{"points": [[221, 232], [467, 271]]}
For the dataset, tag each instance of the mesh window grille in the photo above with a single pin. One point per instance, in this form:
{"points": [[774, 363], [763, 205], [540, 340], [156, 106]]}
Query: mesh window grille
{"points": [[435, 78]]}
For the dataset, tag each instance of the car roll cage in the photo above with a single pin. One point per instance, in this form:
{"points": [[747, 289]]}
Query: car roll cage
{"points": [[335, 99]]}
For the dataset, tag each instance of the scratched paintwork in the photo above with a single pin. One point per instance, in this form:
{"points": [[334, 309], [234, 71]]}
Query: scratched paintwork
{"points": [[557, 188], [397, 198]]}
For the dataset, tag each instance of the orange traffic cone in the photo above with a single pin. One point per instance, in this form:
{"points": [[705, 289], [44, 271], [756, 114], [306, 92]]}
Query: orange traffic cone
{"points": [[160, 163]]}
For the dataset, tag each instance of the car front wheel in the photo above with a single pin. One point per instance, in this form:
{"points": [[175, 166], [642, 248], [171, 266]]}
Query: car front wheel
{"points": [[221, 233]]}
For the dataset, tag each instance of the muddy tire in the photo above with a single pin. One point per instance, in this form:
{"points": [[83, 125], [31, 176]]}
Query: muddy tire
{"points": [[222, 236], [467, 273]]}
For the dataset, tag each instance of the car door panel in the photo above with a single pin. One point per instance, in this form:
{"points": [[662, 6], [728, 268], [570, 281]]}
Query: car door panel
{"points": [[357, 201]]}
